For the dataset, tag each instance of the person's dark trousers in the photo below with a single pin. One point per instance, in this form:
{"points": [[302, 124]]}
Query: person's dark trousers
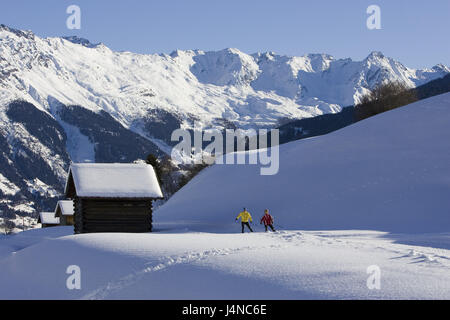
{"points": [[246, 224], [271, 227]]}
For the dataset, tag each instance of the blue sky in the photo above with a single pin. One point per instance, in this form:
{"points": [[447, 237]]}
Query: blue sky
{"points": [[414, 32]]}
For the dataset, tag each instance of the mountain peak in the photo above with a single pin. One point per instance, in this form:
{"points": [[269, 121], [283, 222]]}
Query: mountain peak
{"points": [[375, 54], [20, 33], [441, 67], [232, 50], [78, 40]]}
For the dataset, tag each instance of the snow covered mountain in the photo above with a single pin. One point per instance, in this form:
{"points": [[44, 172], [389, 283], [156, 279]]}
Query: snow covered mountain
{"points": [[249, 90], [65, 99]]}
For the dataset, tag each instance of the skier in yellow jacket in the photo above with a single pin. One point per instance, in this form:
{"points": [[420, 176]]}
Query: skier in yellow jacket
{"points": [[245, 218]]}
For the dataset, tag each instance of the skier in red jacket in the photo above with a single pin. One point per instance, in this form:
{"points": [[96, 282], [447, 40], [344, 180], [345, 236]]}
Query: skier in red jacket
{"points": [[267, 219]]}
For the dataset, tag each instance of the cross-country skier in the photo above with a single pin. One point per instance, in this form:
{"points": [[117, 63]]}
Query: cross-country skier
{"points": [[267, 219], [245, 218]]}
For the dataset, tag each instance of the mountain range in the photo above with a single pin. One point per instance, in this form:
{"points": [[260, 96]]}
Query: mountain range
{"points": [[66, 99]]}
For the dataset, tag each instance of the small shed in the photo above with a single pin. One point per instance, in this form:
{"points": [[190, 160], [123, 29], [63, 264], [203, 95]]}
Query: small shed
{"points": [[48, 219], [112, 197], [64, 211]]}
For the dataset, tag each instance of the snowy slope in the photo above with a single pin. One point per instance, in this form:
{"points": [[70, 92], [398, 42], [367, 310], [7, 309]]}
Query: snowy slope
{"points": [[387, 173], [285, 265], [390, 172]]}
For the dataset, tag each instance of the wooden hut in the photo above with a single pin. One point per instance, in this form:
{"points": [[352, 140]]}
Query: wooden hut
{"points": [[64, 211], [48, 219], [112, 197]]}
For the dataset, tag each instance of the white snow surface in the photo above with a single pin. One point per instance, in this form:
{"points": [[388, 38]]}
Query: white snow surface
{"points": [[390, 172], [282, 265], [66, 207], [117, 180], [79, 147], [48, 218]]}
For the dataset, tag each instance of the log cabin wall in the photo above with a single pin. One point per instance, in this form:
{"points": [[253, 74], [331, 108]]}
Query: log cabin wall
{"points": [[112, 215], [68, 220], [77, 215]]}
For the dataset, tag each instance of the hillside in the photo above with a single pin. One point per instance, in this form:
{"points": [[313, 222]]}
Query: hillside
{"points": [[389, 173], [384, 175], [323, 124]]}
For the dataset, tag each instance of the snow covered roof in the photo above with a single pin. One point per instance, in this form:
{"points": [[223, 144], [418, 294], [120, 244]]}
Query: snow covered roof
{"points": [[116, 180], [66, 207], [48, 218]]}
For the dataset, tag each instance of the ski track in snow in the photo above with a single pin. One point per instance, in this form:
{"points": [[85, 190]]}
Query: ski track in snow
{"points": [[400, 251], [189, 257], [418, 254], [409, 254]]}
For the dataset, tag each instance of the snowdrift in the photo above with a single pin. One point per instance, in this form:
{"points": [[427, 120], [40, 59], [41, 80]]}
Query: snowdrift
{"points": [[389, 173], [282, 265]]}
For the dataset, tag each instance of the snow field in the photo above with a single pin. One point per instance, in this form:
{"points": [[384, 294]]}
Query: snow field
{"points": [[282, 265]]}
